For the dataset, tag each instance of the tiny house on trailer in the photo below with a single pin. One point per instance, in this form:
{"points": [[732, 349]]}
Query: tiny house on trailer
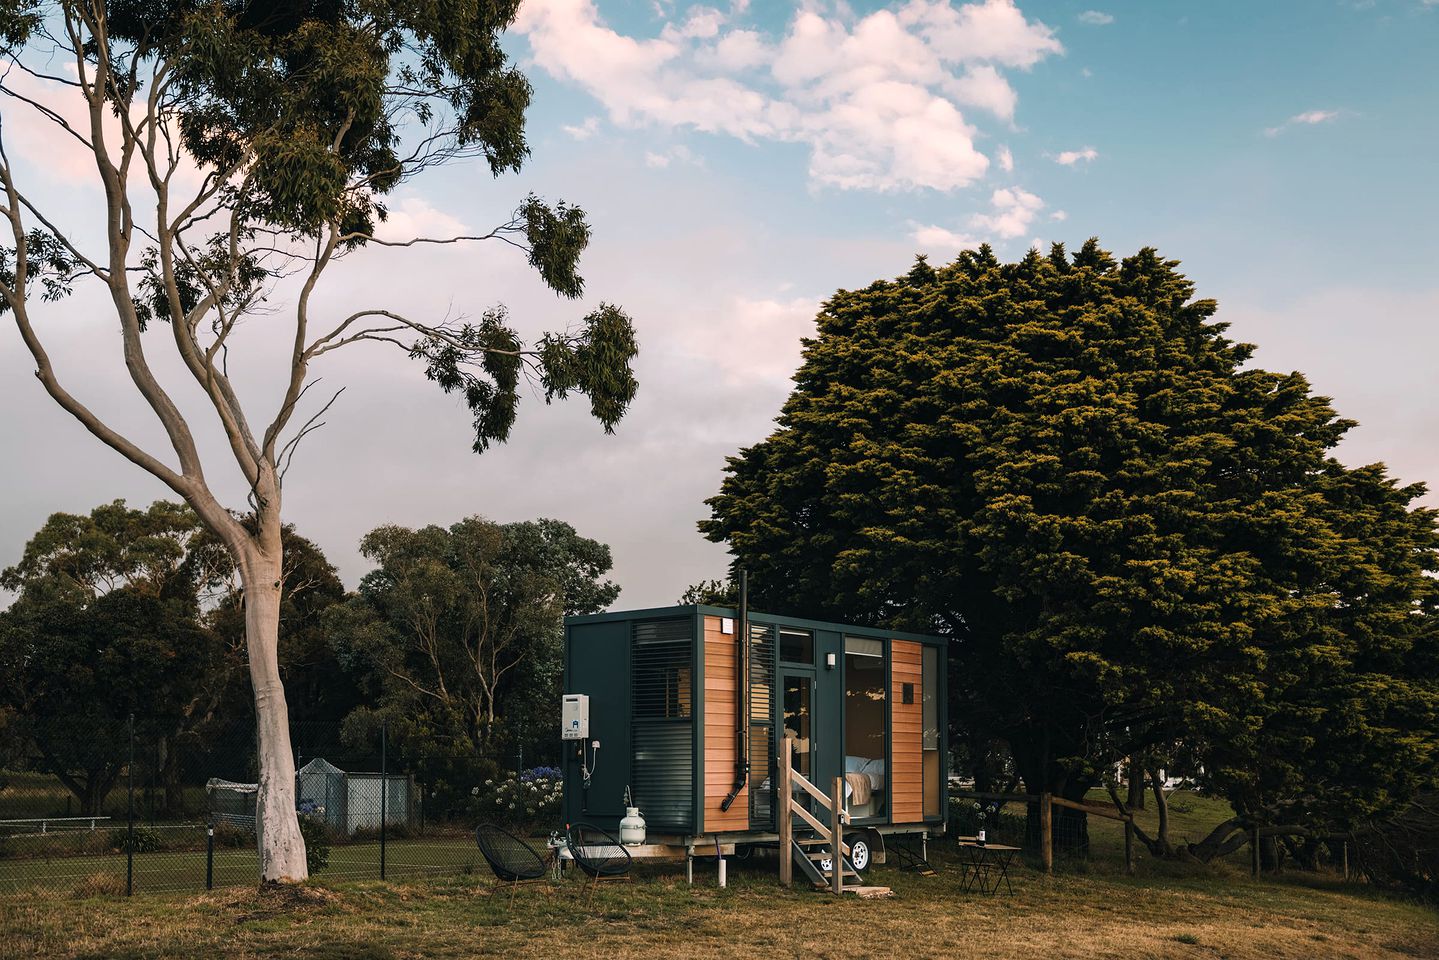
{"points": [[671, 705]]}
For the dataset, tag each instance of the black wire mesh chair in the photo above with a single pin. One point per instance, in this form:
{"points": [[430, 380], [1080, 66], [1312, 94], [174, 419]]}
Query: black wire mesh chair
{"points": [[597, 853], [512, 860]]}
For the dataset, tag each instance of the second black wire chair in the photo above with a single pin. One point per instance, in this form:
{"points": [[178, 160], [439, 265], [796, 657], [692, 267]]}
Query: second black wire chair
{"points": [[598, 854]]}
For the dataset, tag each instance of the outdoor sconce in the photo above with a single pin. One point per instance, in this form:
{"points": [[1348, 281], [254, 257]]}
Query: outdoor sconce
{"points": [[829, 661]]}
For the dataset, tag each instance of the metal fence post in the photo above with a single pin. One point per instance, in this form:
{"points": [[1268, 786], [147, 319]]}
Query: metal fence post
{"points": [[210, 856], [130, 814], [384, 791]]}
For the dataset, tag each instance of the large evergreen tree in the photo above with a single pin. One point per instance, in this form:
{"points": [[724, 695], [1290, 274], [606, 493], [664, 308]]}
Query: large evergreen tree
{"points": [[1137, 539]]}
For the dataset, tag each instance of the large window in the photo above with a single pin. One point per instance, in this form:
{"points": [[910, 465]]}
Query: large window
{"points": [[930, 681], [864, 727]]}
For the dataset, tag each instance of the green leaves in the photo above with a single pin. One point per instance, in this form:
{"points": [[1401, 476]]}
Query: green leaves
{"points": [[457, 630], [1064, 463], [557, 236], [315, 101], [484, 362]]}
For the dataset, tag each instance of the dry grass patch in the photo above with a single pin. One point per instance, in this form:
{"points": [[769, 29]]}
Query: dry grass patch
{"points": [[1206, 913]]}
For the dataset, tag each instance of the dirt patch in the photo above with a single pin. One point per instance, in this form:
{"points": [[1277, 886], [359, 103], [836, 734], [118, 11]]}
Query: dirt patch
{"points": [[247, 904]]}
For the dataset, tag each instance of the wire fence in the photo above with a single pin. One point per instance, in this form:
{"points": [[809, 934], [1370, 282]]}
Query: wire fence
{"points": [[154, 814]]}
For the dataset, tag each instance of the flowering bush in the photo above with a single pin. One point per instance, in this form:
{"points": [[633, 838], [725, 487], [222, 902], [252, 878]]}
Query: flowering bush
{"points": [[530, 798], [1000, 824]]}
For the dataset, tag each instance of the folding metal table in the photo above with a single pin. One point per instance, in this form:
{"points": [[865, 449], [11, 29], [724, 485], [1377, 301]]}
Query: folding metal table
{"points": [[984, 866]]}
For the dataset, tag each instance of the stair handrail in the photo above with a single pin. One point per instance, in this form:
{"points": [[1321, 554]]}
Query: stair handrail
{"points": [[833, 832]]}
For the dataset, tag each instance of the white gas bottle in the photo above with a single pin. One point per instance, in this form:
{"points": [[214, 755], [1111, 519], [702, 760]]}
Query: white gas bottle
{"points": [[632, 827]]}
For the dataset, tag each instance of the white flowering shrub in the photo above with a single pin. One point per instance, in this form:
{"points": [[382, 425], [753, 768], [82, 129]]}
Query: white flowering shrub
{"points": [[530, 799]]}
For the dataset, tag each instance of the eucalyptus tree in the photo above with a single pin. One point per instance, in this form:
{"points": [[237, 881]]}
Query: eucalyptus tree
{"points": [[241, 150]]}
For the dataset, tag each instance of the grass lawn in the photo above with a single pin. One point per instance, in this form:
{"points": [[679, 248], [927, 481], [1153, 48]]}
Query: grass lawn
{"points": [[1167, 911]]}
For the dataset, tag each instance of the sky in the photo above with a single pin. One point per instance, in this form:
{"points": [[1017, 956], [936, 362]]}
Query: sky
{"points": [[740, 162]]}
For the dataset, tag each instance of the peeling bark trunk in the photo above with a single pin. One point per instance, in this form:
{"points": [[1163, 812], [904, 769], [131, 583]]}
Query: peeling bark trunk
{"points": [[277, 826]]}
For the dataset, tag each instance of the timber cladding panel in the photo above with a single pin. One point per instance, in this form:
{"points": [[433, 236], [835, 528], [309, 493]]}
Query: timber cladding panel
{"points": [[720, 703], [906, 774]]}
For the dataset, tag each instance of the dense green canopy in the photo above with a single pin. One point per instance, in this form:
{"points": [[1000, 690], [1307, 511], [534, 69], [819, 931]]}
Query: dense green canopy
{"points": [[456, 635], [1136, 538]]}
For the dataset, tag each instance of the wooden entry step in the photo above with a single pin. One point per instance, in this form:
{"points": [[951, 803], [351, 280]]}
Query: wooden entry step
{"points": [[870, 893]]}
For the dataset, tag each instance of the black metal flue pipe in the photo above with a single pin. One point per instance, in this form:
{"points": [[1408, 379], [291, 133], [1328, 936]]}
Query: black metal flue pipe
{"points": [[741, 763]]}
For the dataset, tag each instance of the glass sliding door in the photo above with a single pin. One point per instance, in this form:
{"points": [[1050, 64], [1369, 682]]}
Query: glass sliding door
{"points": [[865, 743]]}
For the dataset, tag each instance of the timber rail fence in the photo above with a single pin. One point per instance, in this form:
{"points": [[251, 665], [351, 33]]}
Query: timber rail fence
{"points": [[1044, 836]]}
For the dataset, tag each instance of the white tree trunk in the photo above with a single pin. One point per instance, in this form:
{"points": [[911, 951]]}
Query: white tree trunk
{"points": [[277, 826]]}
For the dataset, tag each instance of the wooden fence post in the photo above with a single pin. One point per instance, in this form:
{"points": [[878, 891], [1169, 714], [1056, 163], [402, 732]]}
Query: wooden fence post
{"points": [[783, 818], [1046, 833], [1129, 845], [836, 833]]}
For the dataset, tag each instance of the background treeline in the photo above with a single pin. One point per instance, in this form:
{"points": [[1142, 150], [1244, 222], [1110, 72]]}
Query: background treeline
{"points": [[453, 642]]}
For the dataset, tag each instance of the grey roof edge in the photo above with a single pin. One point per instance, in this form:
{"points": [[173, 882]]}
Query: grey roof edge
{"points": [[687, 610]]}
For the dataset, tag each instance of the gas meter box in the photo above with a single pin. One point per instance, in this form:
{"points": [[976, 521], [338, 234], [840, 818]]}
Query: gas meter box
{"points": [[575, 717]]}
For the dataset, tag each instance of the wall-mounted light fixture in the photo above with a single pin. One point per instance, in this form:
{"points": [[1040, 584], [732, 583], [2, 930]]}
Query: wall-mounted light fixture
{"points": [[829, 661]]}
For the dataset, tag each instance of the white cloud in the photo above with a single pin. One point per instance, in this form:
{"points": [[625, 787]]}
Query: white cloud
{"points": [[1059, 216], [584, 130], [1006, 160], [1308, 118], [412, 217], [702, 23], [935, 238], [678, 154], [1095, 18], [1070, 157], [877, 98], [983, 86], [1012, 211], [758, 340]]}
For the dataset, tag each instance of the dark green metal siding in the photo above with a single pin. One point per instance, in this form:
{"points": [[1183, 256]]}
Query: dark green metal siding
{"points": [[597, 664]]}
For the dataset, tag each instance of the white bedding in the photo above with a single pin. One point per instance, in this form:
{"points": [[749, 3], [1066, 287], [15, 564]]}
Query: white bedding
{"points": [[874, 769]]}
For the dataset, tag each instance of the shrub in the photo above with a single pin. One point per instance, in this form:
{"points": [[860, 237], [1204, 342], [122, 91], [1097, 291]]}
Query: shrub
{"points": [[521, 800], [317, 842], [146, 841]]}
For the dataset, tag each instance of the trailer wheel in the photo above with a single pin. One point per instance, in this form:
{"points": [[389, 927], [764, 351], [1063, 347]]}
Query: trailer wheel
{"points": [[858, 851]]}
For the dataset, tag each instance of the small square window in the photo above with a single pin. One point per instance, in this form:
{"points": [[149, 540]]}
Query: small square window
{"points": [[796, 646]]}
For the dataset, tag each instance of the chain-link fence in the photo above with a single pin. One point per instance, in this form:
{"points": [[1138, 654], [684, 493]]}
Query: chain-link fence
{"points": [[139, 813]]}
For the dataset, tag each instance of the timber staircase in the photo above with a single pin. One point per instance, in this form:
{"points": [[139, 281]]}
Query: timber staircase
{"points": [[824, 858]]}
